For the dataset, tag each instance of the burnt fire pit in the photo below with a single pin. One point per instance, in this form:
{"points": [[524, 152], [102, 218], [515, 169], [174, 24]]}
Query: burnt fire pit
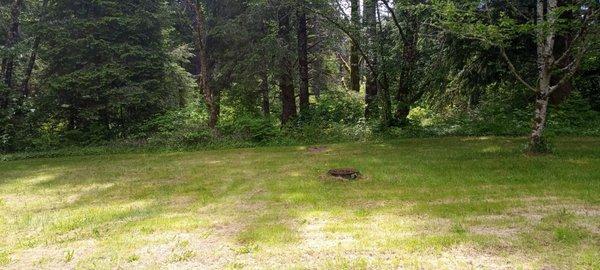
{"points": [[346, 173]]}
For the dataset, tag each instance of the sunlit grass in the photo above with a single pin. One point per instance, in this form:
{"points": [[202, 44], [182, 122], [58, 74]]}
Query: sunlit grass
{"points": [[423, 203]]}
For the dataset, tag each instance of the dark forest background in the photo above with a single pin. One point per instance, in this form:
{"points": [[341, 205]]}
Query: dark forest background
{"points": [[191, 73]]}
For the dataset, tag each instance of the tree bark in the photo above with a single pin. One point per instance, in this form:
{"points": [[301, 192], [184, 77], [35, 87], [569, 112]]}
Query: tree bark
{"points": [[372, 84], [371, 109], [539, 122], [33, 57], [545, 60], [405, 92], [286, 80], [12, 38], [30, 66], [354, 53], [211, 96], [303, 58], [317, 71]]}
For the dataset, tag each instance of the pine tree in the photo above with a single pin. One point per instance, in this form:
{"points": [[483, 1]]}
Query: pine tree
{"points": [[105, 63]]}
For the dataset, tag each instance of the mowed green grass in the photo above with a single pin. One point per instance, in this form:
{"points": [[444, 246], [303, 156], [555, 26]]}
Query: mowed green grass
{"points": [[451, 203]]}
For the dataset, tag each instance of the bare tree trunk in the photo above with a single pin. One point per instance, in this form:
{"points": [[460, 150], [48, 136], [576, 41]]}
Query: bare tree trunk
{"points": [[545, 60], [354, 53], [539, 122], [286, 80], [317, 70], [371, 96], [372, 87], [383, 81], [211, 96], [404, 98], [303, 58], [30, 66], [33, 57], [13, 36]]}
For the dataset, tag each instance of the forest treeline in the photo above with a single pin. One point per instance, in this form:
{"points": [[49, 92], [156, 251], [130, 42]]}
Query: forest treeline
{"points": [[194, 72]]}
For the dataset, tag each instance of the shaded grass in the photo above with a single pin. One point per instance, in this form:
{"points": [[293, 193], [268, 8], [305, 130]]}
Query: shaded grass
{"points": [[420, 203]]}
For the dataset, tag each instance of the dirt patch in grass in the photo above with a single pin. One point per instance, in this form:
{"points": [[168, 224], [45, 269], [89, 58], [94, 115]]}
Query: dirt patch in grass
{"points": [[318, 149], [495, 231], [59, 257], [184, 251]]}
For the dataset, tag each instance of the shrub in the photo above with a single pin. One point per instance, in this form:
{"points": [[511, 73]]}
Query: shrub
{"points": [[254, 129]]}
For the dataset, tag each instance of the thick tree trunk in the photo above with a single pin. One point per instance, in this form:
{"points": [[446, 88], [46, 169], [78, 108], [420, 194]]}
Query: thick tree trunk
{"points": [[539, 122], [372, 84], [545, 60], [371, 109], [211, 96], [286, 80], [303, 58], [12, 38], [354, 53], [406, 87]]}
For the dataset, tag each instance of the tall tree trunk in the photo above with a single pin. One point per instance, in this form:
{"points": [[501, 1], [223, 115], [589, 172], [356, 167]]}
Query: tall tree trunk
{"points": [[303, 58], [264, 92], [406, 87], [371, 109], [211, 96], [354, 53], [286, 80], [545, 59], [317, 71], [12, 38], [372, 84], [33, 57], [30, 66]]}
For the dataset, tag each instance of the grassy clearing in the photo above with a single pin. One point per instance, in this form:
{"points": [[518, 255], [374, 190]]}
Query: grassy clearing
{"points": [[422, 203]]}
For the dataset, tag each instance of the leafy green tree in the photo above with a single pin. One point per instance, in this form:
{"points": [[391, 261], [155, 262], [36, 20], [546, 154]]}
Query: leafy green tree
{"points": [[546, 22], [105, 64]]}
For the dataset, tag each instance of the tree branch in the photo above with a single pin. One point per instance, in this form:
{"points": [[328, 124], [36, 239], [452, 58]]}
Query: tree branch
{"points": [[514, 71], [396, 21]]}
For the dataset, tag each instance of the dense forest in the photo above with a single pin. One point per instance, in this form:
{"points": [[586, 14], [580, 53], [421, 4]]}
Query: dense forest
{"points": [[180, 73]]}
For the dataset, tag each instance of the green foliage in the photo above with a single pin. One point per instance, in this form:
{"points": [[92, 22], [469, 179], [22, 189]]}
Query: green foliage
{"points": [[503, 113], [339, 107], [177, 128], [255, 130], [574, 116], [116, 72], [106, 66]]}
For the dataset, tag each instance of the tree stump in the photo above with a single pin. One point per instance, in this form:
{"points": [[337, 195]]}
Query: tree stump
{"points": [[346, 173]]}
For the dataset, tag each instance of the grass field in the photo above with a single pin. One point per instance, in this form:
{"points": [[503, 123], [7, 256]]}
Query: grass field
{"points": [[452, 203]]}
